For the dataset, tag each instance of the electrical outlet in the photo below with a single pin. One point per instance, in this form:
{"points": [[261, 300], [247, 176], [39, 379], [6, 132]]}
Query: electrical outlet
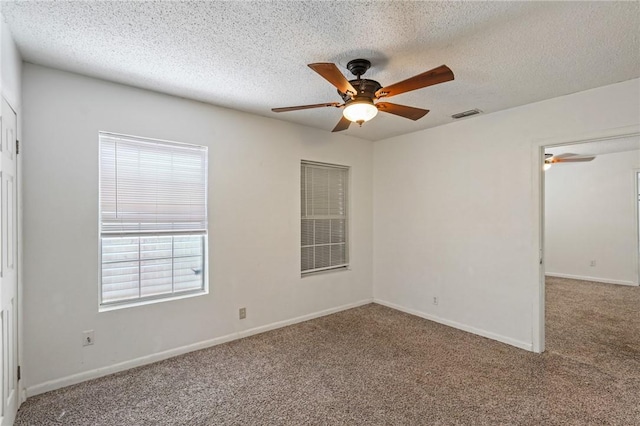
{"points": [[435, 300], [592, 263], [243, 313], [88, 338]]}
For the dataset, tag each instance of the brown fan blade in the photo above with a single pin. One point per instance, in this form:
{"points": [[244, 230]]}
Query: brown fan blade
{"points": [[411, 113], [343, 124], [429, 78], [296, 108], [330, 72], [572, 160]]}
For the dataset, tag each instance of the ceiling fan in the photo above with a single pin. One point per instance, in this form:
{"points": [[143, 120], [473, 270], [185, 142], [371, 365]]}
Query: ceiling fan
{"points": [[550, 159], [359, 94]]}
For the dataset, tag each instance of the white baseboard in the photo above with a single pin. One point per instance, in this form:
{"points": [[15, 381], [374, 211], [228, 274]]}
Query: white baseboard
{"points": [[596, 279], [509, 341], [159, 356]]}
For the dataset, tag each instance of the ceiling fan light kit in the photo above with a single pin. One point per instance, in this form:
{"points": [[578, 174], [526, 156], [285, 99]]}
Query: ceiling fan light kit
{"points": [[359, 94], [359, 111]]}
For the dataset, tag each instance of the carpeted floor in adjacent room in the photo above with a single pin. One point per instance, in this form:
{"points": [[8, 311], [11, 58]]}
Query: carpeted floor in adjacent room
{"points": [[374, 365]]}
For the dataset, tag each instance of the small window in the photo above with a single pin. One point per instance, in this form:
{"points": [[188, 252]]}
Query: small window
{"points": [[153, 219], [324, 201]]}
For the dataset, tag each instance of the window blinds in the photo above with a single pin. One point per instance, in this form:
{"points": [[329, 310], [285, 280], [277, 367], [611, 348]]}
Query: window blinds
{"points": [[140, 267], [324, 216], [150, 186], [153, 218]]}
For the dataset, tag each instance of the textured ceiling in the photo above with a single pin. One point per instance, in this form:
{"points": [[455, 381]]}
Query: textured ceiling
{"points": [[252, 56]]}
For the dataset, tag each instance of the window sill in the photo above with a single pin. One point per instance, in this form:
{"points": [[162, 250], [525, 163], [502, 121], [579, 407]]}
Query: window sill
{"points": [[325, 271], [134, 303]]}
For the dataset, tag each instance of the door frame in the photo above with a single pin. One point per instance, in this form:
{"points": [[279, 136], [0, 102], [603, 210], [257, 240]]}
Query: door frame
{"points": [[636, 225], [537, 150], [19, 395]]}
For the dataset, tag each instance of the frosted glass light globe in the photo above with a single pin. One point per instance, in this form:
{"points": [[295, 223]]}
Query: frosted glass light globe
{"points": [[360, 111]]}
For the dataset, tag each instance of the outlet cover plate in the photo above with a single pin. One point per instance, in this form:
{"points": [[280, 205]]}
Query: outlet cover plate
{"points": [[88, 338]]}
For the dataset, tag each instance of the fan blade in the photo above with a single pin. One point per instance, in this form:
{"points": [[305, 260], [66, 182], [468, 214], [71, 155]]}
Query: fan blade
{"points": [[343, 124], [429, 78], [411, 113], [565, 155], [572, 160], [296, 108], [568, 157], [332, 74]]}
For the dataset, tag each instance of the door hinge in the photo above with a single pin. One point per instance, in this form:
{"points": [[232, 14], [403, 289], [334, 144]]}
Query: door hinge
{"points": [[17, 146], [18, 373]]}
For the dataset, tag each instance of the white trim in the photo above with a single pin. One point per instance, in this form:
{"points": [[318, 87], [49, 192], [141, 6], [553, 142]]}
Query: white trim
{"points": [[594, 279], [537, 160], [324, 165], [327, 269], [538, 290], [159, 356], [132, 303], [125, 137], [636, 224], [478, 331]]}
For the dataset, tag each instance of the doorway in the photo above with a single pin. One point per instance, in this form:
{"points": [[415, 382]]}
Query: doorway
{"points": [[538, 155]]}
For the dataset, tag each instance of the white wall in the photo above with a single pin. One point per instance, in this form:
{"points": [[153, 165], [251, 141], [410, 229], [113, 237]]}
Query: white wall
{"points": [[454, 211], [10, 67], [590, 214], [254, 226]]}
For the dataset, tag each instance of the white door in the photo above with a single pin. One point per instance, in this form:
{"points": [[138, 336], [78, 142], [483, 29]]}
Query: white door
{"points": [[8, 266]]}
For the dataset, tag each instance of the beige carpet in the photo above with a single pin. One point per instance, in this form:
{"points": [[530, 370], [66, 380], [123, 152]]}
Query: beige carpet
{"points": [[374, 365]]}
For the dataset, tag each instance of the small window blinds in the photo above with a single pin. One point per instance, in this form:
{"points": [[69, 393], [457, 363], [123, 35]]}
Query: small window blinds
{"points": [[324, 222], [151, 186], [153, 218]]}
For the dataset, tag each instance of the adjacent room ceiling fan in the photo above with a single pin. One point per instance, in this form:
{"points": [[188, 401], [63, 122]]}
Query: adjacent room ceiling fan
{"points": [[359, 94], [568, 157]]}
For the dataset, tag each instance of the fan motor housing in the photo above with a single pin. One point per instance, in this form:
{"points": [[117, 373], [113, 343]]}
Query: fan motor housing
{"points": [[366, 89]]}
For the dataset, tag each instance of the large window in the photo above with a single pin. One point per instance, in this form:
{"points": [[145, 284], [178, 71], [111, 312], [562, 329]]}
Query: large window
{"points": [[324, 200], [153, 219]]}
